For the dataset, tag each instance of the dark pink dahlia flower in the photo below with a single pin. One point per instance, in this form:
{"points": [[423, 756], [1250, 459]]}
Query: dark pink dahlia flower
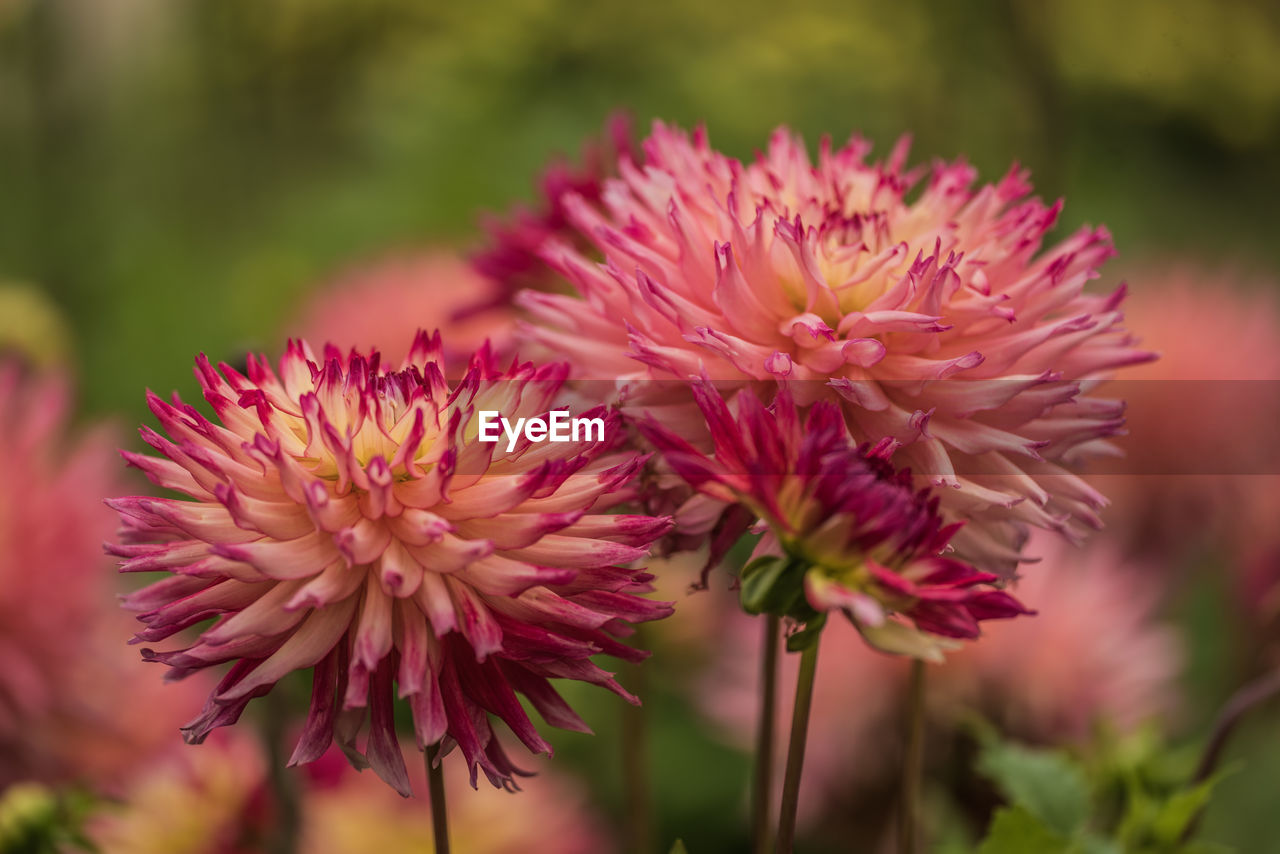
{"points": [[344, 517], [937, 320], [854, 534]]}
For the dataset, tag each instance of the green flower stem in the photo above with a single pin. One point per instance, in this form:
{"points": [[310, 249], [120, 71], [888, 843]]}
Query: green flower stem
{"points": [[635, 764], [795, 750], [435, 787], [762, 784], [1241, 703], [283, 784], [909, 806]]}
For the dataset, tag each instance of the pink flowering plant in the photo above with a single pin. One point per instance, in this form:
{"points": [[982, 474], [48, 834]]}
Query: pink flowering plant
{"points": [[342, 516], [926, 306], [854, 535], [886, 374]]}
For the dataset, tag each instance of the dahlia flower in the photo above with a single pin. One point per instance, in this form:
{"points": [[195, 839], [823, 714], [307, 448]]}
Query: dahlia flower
{"points": [[48, 524], [382, 304], [1204, 475], [1124, 664], [64, 684], [859, 537], [936, 322], [344, 517]]}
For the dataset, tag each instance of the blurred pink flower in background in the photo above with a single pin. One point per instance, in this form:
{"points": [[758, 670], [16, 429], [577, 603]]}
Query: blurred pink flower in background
{"points": [[68, 687], [345, 518], [827, 276], [1209, 402], [345, 812], [213, 800], [1095, 655], [382, 304]]}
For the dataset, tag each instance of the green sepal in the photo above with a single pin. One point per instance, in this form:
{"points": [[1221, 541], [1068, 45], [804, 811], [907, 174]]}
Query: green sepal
{"points": [[775, 585]]}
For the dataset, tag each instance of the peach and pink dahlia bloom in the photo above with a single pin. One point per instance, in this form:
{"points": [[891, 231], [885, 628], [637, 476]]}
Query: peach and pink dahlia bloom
{"points": [[344, 517], [846, 530], [940, 321]]}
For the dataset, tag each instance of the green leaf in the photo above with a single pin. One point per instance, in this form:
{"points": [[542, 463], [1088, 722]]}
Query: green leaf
{"points": [[679, 848], [1171, 819], [1047, 784], [1161, 821], [1014, 830], [1175, 814]]}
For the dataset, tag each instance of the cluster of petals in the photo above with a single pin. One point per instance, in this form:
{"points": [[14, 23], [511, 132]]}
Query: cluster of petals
{"points": [[933, 315], [343, 517], [868, 542]]}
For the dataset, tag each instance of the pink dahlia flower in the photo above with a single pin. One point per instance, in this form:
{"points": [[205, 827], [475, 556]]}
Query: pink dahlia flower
{"points": [[48, 566], [1123, 667], [344, 517], [858, 536], [939, 322], [64, 686], [381, 305], [1202, 466]]}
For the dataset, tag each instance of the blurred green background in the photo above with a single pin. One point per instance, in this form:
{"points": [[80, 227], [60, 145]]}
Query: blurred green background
{"points": [[176, 174]]}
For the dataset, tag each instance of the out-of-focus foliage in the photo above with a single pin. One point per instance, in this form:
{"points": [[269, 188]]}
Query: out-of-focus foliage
{"points": [[37, 820], [31, 326], [1126, 804], [178, 174]]}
